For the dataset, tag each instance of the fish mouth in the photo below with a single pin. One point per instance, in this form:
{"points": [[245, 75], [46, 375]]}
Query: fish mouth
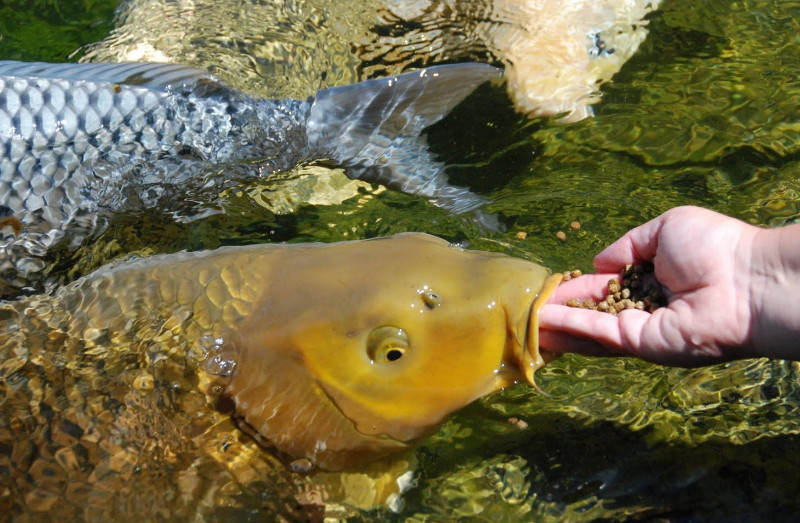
{"points": [[531, 356]]}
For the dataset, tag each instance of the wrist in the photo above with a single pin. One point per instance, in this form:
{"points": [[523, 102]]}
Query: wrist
{"points": [[775, 292]]}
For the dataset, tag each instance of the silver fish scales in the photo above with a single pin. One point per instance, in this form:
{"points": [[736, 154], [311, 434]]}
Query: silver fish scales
{"points": [[79, 141]]}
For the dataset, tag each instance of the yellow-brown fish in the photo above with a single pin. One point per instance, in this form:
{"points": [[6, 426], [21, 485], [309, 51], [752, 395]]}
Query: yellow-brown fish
{"points": [[333, 353]]}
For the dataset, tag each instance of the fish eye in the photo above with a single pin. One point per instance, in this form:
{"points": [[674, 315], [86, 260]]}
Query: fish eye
{"points": [[386, 344]]}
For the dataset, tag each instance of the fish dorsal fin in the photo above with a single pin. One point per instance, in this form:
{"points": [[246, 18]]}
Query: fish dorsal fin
{"points": [[374, 127], [155, 76]]}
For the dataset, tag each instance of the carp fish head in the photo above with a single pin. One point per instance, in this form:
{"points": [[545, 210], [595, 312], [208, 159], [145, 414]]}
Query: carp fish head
{"points": [[358, 349]]}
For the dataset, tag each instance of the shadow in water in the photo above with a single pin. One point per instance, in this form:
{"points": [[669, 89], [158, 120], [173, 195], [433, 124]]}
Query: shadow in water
{"points": [[561, 468]]}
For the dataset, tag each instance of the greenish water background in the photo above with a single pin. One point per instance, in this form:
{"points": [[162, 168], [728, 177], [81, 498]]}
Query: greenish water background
{"points": [[707, 113]]}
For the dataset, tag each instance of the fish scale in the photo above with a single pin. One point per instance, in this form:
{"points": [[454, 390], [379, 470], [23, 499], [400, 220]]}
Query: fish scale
{"points": [[78, 140], [65, 129]]}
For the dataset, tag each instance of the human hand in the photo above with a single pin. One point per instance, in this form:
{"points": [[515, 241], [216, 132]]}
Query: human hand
{"points": [[710, 267]]}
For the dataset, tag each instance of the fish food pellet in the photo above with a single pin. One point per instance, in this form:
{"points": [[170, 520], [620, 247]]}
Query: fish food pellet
{"points": [[631, 291], [575, 226], [561, 236]]}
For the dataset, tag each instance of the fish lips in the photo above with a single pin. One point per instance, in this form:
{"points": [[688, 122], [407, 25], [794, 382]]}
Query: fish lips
{"points": [[525, 355]]}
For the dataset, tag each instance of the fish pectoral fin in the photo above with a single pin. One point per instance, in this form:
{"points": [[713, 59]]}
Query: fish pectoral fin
{"points": [[373, 128]]}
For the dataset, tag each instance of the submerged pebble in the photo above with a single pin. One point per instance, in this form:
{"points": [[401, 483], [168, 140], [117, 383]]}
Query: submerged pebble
{"points": [[521, 424], [302, 465]]}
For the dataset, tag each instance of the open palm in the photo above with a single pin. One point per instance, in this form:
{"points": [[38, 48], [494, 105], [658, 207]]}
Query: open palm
{"points": [[704, 262]]}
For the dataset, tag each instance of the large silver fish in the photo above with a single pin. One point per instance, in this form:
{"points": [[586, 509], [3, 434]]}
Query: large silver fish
{"points": [[81, 140]]}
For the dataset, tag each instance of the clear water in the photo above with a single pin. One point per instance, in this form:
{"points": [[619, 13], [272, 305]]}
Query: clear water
{"points": [[706, 113]]}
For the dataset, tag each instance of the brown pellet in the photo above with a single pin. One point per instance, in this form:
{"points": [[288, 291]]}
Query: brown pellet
{"points": [[631, 291]]}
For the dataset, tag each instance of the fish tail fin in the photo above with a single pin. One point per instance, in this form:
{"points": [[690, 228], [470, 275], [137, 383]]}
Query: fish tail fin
{"points": [[373, 129]]}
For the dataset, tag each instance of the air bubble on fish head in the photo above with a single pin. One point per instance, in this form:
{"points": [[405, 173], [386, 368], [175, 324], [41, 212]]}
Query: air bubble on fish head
{"points": [[220, 359], [206, 345], [219, 365]]}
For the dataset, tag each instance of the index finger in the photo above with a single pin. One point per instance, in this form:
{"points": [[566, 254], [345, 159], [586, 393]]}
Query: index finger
{"points": [[635, 246], [594, 286]]}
